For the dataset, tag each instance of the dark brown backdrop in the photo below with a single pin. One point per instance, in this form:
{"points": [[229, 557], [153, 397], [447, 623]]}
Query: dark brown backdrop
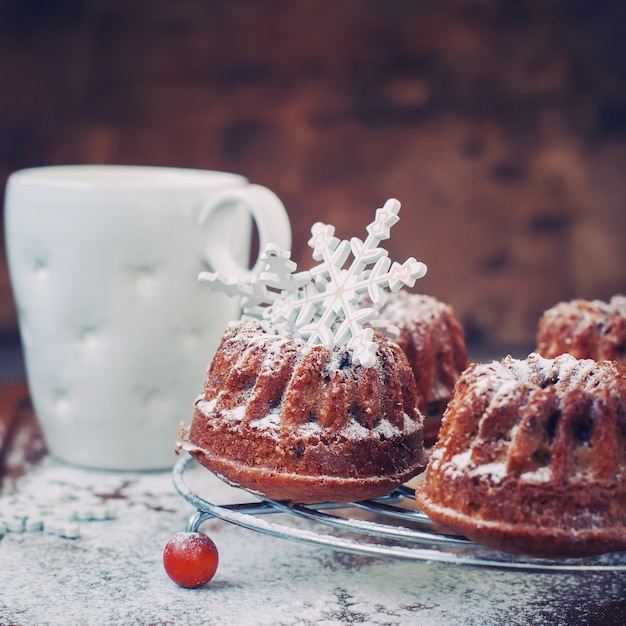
{"points": [[500, 126]]}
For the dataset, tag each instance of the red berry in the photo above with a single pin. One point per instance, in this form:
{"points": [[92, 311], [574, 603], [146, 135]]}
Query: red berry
{"points": [[190, 559]]}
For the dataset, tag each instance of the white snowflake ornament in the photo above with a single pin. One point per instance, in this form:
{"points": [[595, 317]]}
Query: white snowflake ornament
{"points": [[275, 280], [324, 304]]}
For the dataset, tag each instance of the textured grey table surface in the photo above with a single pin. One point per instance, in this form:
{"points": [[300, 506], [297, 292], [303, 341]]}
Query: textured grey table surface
{"points": [[112, 573]]}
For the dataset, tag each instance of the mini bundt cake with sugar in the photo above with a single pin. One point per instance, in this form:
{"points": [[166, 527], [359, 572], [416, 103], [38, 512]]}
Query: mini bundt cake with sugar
{"points": [[531, 457], [586, 329], [434, 342], [291, 421]]}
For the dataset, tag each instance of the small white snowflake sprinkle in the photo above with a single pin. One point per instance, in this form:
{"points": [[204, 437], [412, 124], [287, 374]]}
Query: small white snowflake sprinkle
{"points": [[60, 518], [15, 524], [324, 304], [33, 523]]}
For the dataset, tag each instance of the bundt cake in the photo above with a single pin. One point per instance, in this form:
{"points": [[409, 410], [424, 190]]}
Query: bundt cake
{"points": [[291, 421], [585, 329], [531, 457], [433, 340]]}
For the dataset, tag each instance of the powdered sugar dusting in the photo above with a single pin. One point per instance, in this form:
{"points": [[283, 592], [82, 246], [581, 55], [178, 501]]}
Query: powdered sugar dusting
{"points": [[114, 573], [538, 370], [383, 428], [461, 465], [510, 384], [271, 425], [271, 422], [540, 475], [261, 337], [496, 471], [206, 406], [618, 304]]}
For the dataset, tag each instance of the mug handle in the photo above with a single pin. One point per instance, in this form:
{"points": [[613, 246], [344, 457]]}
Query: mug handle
{"points": [[271, 219]]}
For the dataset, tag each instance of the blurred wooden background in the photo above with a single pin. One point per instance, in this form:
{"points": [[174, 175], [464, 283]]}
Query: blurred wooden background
{"points": [[499, 125]]}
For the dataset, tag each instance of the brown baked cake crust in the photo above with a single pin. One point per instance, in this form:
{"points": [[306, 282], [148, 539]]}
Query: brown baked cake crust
{"points": [[434, 342], [586, 329], [531, 457], [293, 422]]}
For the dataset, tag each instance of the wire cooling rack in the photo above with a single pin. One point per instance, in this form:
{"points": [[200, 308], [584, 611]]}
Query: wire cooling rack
{"points": [[391, 529]]}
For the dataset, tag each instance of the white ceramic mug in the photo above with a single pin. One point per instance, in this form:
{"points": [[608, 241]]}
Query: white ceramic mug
{"points": [[116, 329]]}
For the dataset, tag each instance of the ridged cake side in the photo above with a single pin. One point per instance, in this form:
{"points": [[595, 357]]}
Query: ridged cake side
{"points": [[532, 456], [298, 422], [585, 329], [434, 342]]}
